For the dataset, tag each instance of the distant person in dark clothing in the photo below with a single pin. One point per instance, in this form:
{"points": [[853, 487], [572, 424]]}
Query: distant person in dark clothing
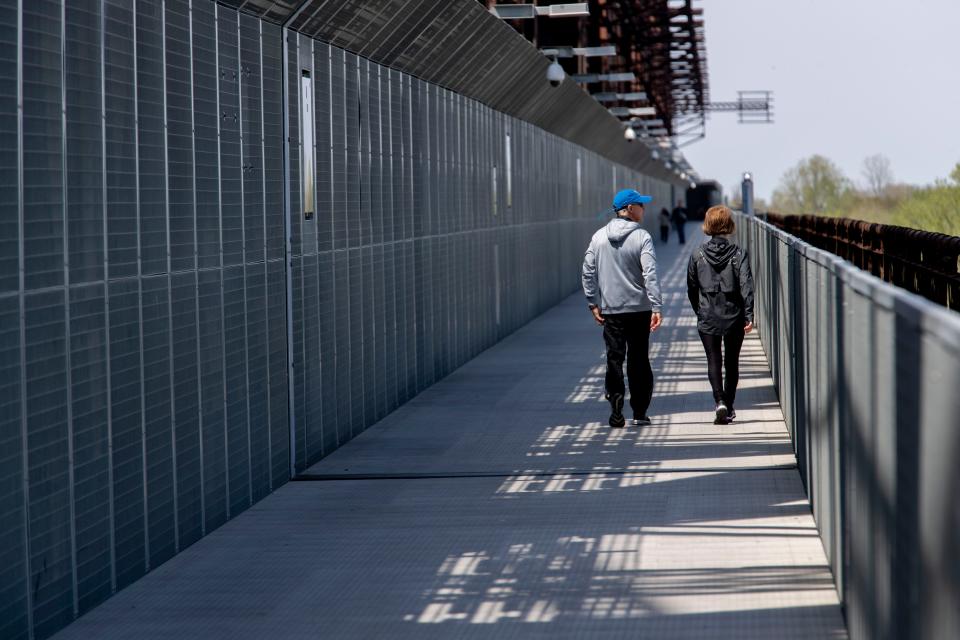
{"points": [[664, 225], [679, 218], [720, 288]]}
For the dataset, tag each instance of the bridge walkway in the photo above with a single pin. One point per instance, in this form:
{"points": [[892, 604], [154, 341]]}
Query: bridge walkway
{"points": [[498, 504]]}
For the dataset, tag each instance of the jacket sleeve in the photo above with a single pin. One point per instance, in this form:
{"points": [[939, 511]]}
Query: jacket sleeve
{"points": [[746, 287], [693, 284], [648, 263], [588, 276]]}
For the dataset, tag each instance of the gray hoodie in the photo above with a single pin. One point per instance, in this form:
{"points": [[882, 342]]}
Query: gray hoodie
{"points": [[620, 269]]}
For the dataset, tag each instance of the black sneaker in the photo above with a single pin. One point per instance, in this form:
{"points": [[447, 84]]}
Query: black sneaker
{"points": [[731, 415], [642, 421], [616, 410], [721, 414]]}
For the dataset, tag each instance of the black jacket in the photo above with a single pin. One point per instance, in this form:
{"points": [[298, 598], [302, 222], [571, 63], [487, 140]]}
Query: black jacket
{"points": [[679, 215], [720, 286]]}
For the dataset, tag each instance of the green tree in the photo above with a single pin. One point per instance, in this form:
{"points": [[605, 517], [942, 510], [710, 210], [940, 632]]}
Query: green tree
{"points": [[935, 208], [735, 199], [815, 185]]}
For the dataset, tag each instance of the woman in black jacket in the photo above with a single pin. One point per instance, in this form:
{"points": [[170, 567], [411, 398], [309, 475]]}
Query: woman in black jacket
{"points": [[720, 288]]}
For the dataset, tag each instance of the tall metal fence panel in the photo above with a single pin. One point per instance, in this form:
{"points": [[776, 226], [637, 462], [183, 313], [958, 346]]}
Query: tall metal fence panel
{"points": [[144, 382], [438, 226], [200, 295], [868, 377]]}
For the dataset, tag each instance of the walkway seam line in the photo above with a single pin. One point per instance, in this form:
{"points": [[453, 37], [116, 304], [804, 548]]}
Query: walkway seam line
{"points": [[330, 477]]}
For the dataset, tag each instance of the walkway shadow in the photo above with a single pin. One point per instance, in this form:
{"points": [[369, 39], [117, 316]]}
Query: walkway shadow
{"points": [[659, 572]]}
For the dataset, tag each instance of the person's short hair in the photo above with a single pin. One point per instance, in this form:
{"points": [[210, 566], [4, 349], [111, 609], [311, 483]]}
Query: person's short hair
{"points": [[718, 221], [638, 204]]}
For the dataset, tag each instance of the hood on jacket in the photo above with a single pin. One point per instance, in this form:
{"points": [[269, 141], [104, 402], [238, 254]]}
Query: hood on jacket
{"points": [[619, 228], [718, 252]]}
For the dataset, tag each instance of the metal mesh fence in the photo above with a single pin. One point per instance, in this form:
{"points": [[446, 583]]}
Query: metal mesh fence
{"points": [[174, 341], [868, 375]]}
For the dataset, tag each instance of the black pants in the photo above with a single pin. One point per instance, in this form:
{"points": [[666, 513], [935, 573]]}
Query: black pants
{"points": [[680, 232], [731, 342], [628, 335], [665, 233]]}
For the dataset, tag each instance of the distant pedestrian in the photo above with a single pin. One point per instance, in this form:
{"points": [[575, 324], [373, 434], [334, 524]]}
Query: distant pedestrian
{"points": [[679, 218], [621, 286], [720, 289], [664, 225]]}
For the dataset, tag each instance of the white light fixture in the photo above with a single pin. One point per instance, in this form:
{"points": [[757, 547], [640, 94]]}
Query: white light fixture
{"points": [[585, 52], [527, 11], [629, 134], [631, 111], [595, 52], [605, 77], [606, 96], [570, 10]]}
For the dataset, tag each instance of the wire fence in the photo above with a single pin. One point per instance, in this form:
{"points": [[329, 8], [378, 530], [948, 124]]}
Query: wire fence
{"points": [[868, 377], [923, 262]]}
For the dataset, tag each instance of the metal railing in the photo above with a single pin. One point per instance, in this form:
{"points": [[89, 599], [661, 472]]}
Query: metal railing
{"points": [[923, 262], [869, 380]]}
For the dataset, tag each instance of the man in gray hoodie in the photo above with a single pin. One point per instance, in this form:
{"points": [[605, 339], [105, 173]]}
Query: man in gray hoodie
{"points": [[620, 282]]}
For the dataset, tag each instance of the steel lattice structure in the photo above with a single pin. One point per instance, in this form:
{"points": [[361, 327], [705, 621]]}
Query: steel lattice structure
{"points": [[660, 42]]}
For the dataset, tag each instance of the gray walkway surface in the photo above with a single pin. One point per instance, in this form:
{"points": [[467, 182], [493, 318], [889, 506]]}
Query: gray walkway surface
{"points": [[498, 504]]}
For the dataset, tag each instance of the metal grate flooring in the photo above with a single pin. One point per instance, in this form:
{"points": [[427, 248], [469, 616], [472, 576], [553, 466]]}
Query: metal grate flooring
{"points": [[497, 504]]}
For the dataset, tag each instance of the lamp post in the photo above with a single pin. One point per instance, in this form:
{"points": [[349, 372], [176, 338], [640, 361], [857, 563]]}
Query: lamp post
{"points": [[746, 193]]}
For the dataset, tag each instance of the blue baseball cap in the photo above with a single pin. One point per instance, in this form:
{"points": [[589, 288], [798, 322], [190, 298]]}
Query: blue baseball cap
{"points": [[628, 197]]}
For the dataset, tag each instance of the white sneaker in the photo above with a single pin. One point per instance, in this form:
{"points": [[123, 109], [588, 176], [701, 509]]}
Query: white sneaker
{"points": [[721, 414]]}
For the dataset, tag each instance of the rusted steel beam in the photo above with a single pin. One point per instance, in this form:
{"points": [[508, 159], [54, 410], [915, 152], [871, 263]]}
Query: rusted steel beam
{"points": [[924, 262]]}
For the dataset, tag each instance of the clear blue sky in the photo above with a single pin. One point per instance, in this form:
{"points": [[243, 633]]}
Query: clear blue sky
{"points": [[850, 78]]}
